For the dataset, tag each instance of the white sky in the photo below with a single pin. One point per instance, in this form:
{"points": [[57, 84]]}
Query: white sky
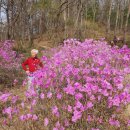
{"points": [[3, 16]]}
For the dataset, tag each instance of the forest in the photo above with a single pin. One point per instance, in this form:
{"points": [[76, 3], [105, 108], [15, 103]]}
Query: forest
{"points": [[55, 20]]}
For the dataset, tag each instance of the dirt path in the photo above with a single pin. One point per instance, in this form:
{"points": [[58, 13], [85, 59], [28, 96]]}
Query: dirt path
{"points": [[43, 44]]}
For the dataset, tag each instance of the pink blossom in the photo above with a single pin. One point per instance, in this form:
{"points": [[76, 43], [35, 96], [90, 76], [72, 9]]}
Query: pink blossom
{"points": [[4, 122], [114, 122], [70, 90], [31, 93], [55, 111], [79, 104], [89, 118], [92, 98], [42, 96], [22, 117], [78, 96], [57, 124], [14, 99], [66, 122], [76, 115], [116, 101], [46, 122], [8, 111], [69, 108], [4, 97], [49, 95], [89, 105], [105, 93], [34, 117], [22, 104], [34, 102], [95, 129], [128, 123], [55, 128], [28, 116], [59, 96]]}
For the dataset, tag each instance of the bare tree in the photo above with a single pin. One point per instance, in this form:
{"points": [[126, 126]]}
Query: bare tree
{"points": [[109, 17], [126, 23], [25, 20]]}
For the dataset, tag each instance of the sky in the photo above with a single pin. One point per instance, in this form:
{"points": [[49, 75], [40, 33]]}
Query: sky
{"points": [[3, 16]]}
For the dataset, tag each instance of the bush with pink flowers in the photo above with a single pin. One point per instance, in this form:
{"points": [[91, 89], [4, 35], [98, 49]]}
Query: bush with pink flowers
{"points": [[10, 63], [83, 87]]}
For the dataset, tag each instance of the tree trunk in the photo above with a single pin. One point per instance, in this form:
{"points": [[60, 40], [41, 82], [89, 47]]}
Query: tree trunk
{"points": [[109, 19], [117, 18], [30, 29], [94, 9], [126, 23], [8, 20], [65, 20]]}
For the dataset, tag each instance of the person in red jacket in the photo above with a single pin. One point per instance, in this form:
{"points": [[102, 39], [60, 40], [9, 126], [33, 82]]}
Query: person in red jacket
{"points": [[31, 65]]}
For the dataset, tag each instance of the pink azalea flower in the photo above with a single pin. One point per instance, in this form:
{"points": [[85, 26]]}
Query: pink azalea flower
{"points": [[70, 90], [62, 128], [78, 96], [57, 124], [8, 111], [22, 117], [22, 104], [92, 98], [31, 93], [95, 129], [14, 99], [94, 89], [69, 108], [15, 82], [34, 102], [77, 85], [34, 117], [128, 123], [114, 122], [4, 122], [79, 104], [55, 128], [59, 96], [89, 105], [49, 95], [100, 120], [46, 122], [89, 118], [4, 97], [54, 109], [42, 96], [99, 98], [116, 101], [76, 115], [120, 86], [28, 116], [105, 93], [66, 122]]}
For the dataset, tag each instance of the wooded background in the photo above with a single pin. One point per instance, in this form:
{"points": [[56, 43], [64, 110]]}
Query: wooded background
{"points": [[26, 20]]}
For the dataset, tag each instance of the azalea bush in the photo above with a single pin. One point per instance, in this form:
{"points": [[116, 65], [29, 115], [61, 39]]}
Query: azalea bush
{"points": [[10, 62], [82, 86]]}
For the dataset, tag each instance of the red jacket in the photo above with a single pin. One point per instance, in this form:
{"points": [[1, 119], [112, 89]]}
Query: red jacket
{"points": [[32, 63]]}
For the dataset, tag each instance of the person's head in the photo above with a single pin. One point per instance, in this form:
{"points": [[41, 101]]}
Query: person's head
{"points": [[34, 53]]}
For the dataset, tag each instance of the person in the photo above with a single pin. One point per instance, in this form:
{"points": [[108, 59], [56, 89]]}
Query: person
{"points": [[115, 40], [31, 65]]}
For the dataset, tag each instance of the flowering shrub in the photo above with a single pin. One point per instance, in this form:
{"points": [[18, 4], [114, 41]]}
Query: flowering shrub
{"points": [[83, 87], [10, 62]]}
